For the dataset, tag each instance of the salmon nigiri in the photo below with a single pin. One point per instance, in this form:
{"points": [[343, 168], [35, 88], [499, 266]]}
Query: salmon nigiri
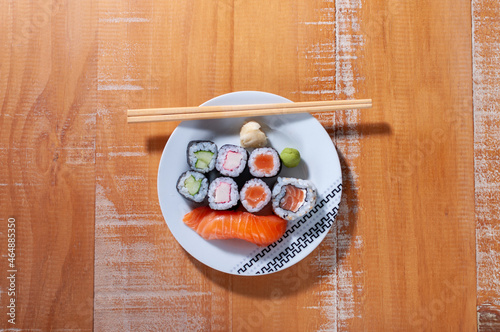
{"points": [[211, 225]]}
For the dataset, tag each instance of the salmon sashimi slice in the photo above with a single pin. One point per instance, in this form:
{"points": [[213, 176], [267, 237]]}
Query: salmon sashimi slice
{"points": [[212, 225], [293, 199]]}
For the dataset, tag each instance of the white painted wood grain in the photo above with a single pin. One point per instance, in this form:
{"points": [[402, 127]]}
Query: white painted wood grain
{"points": [[486, 57], [341, 283]]}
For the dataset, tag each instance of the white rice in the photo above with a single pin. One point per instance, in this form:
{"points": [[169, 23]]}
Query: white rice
{"points": [[279, 194], [252, 183]]}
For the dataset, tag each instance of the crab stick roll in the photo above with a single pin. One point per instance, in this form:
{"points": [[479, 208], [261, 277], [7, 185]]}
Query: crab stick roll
{"points": [[223, 194], [231, 160], [264, 162], [255, 195]]}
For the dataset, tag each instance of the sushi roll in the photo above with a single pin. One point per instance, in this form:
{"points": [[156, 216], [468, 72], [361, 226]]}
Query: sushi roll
{"points": [[264, 162], [293, 198], [231, 160], [193, 186], [254, 195], [223, 194], [201, 155]]}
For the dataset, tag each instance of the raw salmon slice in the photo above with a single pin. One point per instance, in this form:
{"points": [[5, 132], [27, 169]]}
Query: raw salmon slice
{"points": [[211, 225], [265, 163], [293, 199], [255, 195]]}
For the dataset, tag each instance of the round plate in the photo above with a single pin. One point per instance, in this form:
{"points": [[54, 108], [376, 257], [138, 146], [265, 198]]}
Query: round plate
{"points": [[320, 164]]}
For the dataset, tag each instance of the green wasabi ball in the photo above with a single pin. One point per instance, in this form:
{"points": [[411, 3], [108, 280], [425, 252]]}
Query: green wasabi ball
{"points": [[290, 157]]}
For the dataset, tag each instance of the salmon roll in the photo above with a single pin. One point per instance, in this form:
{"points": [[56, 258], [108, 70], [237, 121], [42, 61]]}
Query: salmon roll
{"points": [[201, 156], [231, 160], [223, 194], [255, 195], [264, 162], [293, 198]]}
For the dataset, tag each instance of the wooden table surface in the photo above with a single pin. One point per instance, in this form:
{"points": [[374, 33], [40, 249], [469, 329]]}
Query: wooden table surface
{"points": [[415, 245]]}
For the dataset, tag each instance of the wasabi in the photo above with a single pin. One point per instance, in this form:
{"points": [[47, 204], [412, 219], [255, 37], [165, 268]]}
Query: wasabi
{"points": [[290, 157]]}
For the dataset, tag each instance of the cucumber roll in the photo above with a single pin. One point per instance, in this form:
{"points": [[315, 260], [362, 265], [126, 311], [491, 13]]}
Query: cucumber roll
{"points": [[201, 156], [193, 186]]}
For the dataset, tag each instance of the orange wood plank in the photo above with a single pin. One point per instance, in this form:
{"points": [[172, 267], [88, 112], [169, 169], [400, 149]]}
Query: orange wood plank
{"points": [[417, 208], [48, 73]]}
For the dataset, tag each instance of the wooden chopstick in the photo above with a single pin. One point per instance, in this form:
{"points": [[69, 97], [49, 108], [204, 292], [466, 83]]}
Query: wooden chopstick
{"points": [[197, 109], [232, 111]]}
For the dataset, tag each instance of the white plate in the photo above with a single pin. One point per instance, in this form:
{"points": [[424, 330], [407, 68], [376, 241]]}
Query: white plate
{"points": [[320, 164]]}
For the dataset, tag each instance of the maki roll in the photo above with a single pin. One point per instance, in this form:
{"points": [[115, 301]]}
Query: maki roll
{"points": [[293, 198], [254, 195], [223, 194], [231, 160], [201, 155], [193, 186], [264, 162]]}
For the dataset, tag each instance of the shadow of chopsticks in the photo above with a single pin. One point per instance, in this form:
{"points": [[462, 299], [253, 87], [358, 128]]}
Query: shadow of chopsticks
{"points": [[365, 129]]}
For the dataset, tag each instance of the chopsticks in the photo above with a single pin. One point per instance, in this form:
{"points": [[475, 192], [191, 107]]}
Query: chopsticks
{"points": [[233, 111]]}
